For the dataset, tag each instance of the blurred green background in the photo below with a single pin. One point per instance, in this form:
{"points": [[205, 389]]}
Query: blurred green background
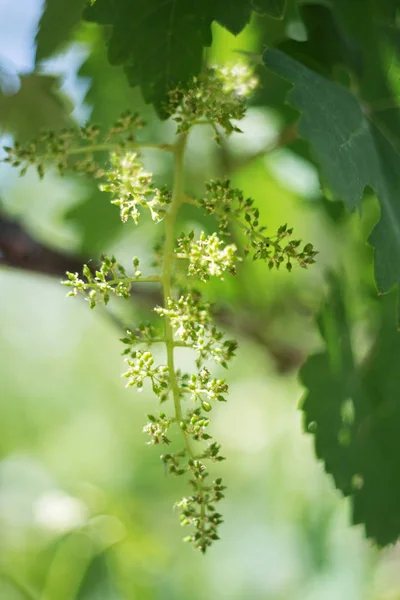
{"points": [[85, 506]]}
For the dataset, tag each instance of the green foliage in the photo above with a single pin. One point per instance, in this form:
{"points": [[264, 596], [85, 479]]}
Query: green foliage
{"points": [[351, 408], [176, 32], [36, 106], [328, 44], [55, 27], [352, 154]]}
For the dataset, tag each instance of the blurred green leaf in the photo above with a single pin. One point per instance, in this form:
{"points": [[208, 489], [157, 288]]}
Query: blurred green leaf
{"points": [[366, 22], [353, 413], [97, 583], [37, 105], [58, 20], [351, 152], [96, 220]]}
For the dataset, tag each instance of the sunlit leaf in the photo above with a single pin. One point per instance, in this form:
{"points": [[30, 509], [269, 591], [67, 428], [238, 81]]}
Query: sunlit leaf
{"points": [[351, 152]]}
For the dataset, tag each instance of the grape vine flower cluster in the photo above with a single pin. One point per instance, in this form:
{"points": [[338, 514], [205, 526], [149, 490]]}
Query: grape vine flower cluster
{"points": [[229, 205], [193, 326], [217, 97], [132, 187], [208, 255]]}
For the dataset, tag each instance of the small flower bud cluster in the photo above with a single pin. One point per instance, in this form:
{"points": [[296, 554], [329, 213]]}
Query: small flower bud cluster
{"points": [[200, 513], [111, 278], [124, 128], [61, 148], [229, 204], [157, 428], [196, 424], [193, 325], [204, 389], [145, 334], [172, 462], [132, 188], [141, 367], [208, 256], [216, 97]]}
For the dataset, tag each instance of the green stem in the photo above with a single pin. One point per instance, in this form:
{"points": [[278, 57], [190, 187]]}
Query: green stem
{"points": [[170, 220], [118, 146], [149, 279], [260, 236], [178, 198]]}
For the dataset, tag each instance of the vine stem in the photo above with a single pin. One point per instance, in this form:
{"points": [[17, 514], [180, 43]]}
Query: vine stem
{"points": [[149, 279], [112, 146], [117, 146], [260, 236], [170, 221]]}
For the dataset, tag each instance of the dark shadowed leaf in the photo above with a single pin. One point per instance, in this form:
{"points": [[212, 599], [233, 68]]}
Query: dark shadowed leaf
{"points": [[353, 412], [232, 14], [160, 42], [327, 44], [178, 32]]}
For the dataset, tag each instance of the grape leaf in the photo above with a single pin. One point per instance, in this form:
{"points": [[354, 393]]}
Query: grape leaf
{"points": [[57, 22], [353, 413], [159, 42], [232, 14], [272, 8], [352, 154]]}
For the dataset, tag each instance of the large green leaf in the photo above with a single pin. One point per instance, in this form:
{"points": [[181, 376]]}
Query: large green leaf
{"points": [[159, 42], [58, 20], [353, 412], [232, 14], [351, 152]]}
